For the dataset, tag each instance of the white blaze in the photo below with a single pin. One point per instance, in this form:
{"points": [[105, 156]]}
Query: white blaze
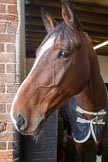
{"points": [[44, 48]]}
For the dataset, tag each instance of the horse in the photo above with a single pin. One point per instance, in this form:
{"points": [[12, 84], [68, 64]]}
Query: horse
{"points": [[66, 65]]}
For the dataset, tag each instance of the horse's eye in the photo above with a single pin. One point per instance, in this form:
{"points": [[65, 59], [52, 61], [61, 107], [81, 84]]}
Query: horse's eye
{"points": [[64, 54]]}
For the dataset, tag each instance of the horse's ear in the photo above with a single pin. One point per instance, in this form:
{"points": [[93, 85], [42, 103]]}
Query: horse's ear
{"points": [[49, 22], [67, 13]]}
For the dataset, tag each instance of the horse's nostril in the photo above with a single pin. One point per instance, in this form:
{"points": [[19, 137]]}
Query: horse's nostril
{"points": [[21, 122]]}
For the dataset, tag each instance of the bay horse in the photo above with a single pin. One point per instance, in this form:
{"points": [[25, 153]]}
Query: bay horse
{"points": [[66, 65]]}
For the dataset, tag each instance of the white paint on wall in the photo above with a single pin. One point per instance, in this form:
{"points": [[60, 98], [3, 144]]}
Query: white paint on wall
{"points": [[20, 40], [29, 64], [103, 62]]}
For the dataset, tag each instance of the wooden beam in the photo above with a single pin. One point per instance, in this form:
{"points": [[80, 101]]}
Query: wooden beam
{"points": [[50, 3], [76, 6], [90, 8], [95, 2], [82, 15], [34, 21], [35, 34], [98, 19], [56, 2], [33, 39], [97, 34], [102, 53], [34, 28], [33, 42], [95, 28], [98, 37], [103, 49], [36, 11], [86, 26], [42, 32]]}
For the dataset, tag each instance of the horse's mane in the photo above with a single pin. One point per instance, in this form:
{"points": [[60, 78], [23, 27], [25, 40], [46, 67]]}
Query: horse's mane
{"points": [[95, 83], [88, 46]]}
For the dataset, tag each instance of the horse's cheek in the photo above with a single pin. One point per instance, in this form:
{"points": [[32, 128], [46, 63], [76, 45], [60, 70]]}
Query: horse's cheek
{"points": [[60, 69]]}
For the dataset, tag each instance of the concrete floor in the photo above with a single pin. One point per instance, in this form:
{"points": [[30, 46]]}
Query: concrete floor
{"points": [[89, 148]]}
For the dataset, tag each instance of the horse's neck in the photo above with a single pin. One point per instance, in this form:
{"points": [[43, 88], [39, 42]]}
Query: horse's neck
{"points": [[93, 97]]}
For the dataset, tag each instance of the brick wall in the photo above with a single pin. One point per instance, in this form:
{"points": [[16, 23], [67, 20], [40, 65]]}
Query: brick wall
{"points": [[9, 75]]}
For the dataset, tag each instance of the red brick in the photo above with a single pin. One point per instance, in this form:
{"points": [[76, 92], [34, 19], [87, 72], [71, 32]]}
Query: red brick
{"points": [[8, 107], [12, 88], [3, 27], [10, 128], [2, 8], [8, 78], [6, 58], [11, 145], [6, 154], [10, 160], [5, 117], [6, 98], [7, 38], [2, 108], [11, 48], [12, 27], [3, 145], [2, 68], [11, 68], [1, 47], [8, 18], [8, 1], [2, 88], [12, 9], [7, 137], [2, 160]]}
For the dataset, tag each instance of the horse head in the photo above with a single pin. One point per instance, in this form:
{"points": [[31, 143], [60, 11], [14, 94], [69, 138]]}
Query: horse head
{"points": [[61, 69]]}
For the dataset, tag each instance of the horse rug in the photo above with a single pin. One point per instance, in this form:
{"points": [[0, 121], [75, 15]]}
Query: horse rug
{"points": [[81, 127]]}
